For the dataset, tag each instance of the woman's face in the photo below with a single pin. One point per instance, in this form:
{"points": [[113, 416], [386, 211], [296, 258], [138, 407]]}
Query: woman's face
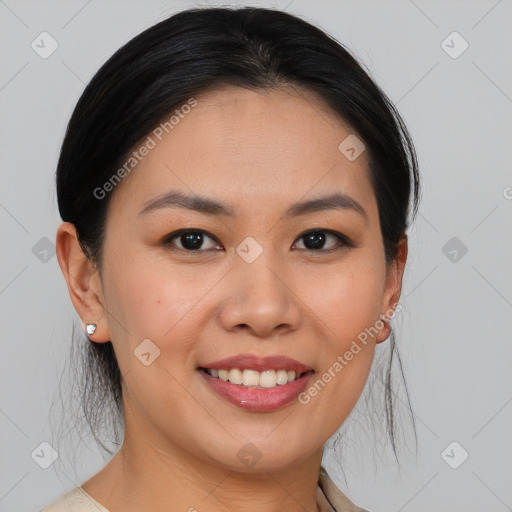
{"points": [[249, 284]]}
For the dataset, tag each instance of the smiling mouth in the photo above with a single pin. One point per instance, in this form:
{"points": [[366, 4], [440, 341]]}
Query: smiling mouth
{"points": [[254, 379]]}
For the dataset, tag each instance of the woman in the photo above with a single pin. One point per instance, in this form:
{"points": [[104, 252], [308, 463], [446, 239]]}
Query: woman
{"points": [[235, 192]]}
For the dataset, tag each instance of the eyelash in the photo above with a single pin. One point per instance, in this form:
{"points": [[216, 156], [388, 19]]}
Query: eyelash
{"points": [[343, 240]]}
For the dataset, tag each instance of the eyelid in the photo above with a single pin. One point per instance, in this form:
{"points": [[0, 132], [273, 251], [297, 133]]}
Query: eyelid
{"points": [[166, 240], [343, 240]]}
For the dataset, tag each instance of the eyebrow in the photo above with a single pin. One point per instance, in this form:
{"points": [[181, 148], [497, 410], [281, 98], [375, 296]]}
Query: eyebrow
{"points": [[207, 206]]}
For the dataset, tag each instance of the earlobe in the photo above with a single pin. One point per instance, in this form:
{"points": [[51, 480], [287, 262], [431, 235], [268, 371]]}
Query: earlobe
{"points": [[84, 285], [385, 329]]}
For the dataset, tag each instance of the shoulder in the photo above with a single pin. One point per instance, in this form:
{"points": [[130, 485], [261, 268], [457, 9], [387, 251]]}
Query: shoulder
{"points": [[76, 500], [337, 499]]}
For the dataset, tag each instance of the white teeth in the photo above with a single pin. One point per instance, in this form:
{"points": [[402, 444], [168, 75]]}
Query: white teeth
{"points": [[235, 376], [282, 377], [254, 379], [250, 378], [268, 379]]}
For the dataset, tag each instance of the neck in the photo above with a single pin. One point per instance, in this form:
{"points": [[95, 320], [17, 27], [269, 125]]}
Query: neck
{"points": [[144, 476]]}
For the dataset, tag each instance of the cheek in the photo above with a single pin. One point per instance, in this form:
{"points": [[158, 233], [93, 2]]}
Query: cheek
{"points": [[347, 298], [149, 294], [346, 302], [151, 299]]}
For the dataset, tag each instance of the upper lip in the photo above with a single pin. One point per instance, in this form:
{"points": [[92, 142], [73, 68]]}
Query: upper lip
{"points": [[258, 363]]}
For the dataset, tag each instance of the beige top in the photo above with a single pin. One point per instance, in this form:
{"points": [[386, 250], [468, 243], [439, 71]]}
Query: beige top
{"points": [[329, 499]]}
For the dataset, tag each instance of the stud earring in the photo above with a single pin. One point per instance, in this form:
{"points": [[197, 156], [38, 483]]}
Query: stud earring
{"points": [[90, 328]]}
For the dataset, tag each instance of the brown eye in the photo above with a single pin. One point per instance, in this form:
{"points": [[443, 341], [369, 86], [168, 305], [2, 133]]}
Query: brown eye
{"points": [[324, 241], [190, 240]]}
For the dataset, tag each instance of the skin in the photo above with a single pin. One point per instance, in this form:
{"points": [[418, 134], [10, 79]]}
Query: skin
{"points": [[260, 152]]}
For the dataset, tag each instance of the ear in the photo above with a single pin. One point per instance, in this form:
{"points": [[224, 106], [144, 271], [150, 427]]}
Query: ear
{"points": [[83, 281], [393, 287]]}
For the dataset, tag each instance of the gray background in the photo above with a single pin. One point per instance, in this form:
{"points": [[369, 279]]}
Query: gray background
{"points": [[455, 330]]}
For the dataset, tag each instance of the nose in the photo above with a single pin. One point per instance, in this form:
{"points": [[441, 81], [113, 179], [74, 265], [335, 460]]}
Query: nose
{"points": [[260, 298]]}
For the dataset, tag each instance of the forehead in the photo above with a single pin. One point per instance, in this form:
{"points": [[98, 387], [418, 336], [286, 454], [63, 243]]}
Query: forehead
{"points": [[249, 147]]}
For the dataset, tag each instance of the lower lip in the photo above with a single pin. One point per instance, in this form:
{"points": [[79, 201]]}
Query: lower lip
{"points": [[260, 400]]}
